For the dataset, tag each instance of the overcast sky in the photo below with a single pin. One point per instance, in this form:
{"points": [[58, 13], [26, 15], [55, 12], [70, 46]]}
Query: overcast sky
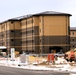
{"points": [[15, 8]]}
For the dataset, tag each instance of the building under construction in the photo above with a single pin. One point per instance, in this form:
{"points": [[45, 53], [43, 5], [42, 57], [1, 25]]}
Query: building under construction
{"points": [[72, 37], [39, 33]]}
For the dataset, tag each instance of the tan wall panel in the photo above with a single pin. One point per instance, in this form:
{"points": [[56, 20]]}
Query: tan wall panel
{"points": [[55, 30], [17, 25], [36, 21], [12, 26], [29, 25], [41, 26], [4, 26], [8, 26], [23, 24], [68, 20], [61, 21], [53, 25], [0, 27], [40, 30], [71, 34], [55, 20], [24, 21]]}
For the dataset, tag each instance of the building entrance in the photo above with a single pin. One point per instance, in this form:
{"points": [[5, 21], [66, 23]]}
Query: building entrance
{"points": [[54, 49]]}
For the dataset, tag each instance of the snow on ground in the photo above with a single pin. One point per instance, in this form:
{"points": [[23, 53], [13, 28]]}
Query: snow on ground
{"points": [[18, 64]]}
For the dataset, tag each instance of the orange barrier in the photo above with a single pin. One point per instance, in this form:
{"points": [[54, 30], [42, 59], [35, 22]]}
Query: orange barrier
{"points": [[50, 57]]}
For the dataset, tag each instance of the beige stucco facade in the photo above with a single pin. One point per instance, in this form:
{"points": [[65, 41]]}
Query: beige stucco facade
{"points": [[10, 36], [37, 33], [72, 37], [47, 28]]}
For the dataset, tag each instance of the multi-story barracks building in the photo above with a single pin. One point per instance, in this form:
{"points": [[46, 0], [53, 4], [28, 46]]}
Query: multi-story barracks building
{"points": [[38, 33], [72, 37]]}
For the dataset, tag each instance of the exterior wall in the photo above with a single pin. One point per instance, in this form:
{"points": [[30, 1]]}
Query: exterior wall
{"points": [[36, 33], [72, 39], [10, 32], [27, 34], [30, 34], [41, 32], [54, 31]]}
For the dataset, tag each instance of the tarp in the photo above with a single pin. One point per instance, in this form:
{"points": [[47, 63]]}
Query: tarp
{"points": [[2, 47], [69, 52]]}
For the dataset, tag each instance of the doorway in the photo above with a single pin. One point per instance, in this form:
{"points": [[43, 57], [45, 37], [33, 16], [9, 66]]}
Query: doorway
{"points": [[54, 49]]}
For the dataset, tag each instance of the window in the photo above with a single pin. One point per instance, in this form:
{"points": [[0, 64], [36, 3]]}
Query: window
{"points": [[73, 33], [40, 40], [12, 31], [20, 33], [32, 31], [2, 35], [11, 21], [40, 30], [3, 43], [73, 39], [12, 39], [26, 41], [32, 41], [73, 45]]}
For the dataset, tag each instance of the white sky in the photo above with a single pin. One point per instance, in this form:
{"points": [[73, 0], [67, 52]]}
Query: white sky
{"points": [[15, 8]]}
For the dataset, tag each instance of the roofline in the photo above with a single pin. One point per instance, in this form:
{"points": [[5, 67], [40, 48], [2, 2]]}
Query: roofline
{"points": [[73, 28], [9, 20], [52, 14], [38, 14], [47, 15]]}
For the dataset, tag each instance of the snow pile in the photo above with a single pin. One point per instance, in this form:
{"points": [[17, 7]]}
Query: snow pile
{"points": [[59, 66], [60, 60], [72, 74]]}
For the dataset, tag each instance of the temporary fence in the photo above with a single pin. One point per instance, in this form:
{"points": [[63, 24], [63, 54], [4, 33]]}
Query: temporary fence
{"points": [[37, 58]]}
